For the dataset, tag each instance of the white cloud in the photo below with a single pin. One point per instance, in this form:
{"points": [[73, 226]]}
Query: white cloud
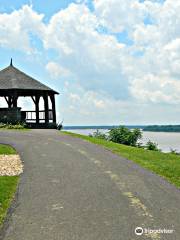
{"points": [[91, 107], [94, 59], [16, 27], [109, 74], [156, 75], [118, 15], [56, 71], [67, 28], [100, 63], [79, 107], [157, 89], [74, 97]]}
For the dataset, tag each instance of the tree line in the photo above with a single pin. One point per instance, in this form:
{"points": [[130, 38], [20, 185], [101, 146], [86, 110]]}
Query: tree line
{"points": [[162, 128]]}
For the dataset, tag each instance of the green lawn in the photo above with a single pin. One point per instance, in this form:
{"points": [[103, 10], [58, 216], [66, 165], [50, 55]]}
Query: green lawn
{"points": [[166, 165], [6, 149], [8, 185]]}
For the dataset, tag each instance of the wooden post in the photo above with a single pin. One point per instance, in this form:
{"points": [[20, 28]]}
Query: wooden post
{"points": [[46, 108], [9, 101], [53, 107], [37, 108], [14, 101]]}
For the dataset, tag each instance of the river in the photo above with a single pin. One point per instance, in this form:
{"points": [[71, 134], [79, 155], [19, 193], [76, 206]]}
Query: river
{"points": [[165, 140]]}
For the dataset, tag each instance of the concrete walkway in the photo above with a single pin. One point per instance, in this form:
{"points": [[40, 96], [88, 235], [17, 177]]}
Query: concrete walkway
{"points": [[74, 190]]}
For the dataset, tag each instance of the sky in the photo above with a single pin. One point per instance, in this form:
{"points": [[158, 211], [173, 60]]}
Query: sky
{"points": [[113, 61]]}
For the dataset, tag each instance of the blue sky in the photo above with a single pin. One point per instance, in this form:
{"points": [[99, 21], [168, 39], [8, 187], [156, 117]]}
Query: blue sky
{"points": [[48, 8], [113, 61]]}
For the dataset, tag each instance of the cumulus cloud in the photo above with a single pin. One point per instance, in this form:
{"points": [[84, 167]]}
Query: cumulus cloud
{"points": [[83, 107], [91, 107], [96, 60], [16, 27], [118, 15], [69, 28], [159, 65], [100, 62], [91, 55], [158, 89], [56, 71]]}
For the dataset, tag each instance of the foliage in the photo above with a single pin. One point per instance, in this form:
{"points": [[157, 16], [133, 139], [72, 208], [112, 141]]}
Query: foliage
{"points": [[152, 146], [13, 126], [162, 128], [174, 151], [98, 134], [125, 136], [166, 165], [140, 145]]}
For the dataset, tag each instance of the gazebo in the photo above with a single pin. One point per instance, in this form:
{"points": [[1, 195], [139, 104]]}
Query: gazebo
{"points": [[14, 84]]}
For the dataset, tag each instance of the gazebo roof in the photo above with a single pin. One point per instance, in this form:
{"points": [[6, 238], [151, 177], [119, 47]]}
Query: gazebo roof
{"points": [[12, 78]]}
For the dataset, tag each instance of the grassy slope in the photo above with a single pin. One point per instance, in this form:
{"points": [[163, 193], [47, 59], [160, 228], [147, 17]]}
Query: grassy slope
{"points": [[166, 165], [8, 185]]}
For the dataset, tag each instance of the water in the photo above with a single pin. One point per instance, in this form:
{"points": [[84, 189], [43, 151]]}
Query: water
{"points": [[165, 140]]}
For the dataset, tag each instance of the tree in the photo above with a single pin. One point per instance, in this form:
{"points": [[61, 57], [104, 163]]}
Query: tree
{"points": [[125, 136]]}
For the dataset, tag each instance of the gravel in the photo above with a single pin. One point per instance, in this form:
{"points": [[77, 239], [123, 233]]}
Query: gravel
{"points": [[10, 165]]}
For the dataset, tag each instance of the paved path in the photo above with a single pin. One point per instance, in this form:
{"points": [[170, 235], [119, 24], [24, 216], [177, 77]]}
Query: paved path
{"points": [[74, 190]]}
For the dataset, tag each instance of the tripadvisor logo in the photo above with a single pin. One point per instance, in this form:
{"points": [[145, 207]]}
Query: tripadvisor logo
{"points": [[139, 231]]}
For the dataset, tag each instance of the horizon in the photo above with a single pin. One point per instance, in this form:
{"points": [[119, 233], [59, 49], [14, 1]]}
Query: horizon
{"points": [[111, 61], [126, 125]]}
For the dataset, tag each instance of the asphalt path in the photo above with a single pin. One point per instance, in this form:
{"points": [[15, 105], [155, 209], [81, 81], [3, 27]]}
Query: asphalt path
{"points": [[74, 190]]}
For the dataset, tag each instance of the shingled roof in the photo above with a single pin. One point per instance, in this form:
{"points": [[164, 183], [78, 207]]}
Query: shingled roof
{"points": [[13, 78]]}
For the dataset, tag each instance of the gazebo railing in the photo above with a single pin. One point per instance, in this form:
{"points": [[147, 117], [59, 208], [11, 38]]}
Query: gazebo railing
{"points": [[29, 116]]}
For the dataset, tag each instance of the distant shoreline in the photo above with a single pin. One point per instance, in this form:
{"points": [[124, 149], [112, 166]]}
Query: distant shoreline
{"points": [[147, 128], [162, 128], [101, 127]]}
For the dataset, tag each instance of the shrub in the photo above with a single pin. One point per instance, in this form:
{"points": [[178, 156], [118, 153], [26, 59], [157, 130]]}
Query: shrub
{"points": [[98, 134], [125, 136], [174, 151], [13, 126], [140, 145], [2, 125], [152, 146]]}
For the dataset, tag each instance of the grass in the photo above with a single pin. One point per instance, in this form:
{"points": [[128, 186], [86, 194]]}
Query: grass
{"points": [[8, 186], [6, 149], [166, 165]]}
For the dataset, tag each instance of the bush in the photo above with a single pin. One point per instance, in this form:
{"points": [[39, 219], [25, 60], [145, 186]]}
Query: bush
{"points": [[174, 151], [98, 134], [2, 125], [152, 146], [13, 126], [125, 136], [140, 145]]}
